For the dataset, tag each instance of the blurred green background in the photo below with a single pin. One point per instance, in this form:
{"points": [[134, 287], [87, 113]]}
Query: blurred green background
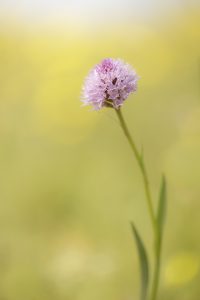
{"points": [[68, 182]]}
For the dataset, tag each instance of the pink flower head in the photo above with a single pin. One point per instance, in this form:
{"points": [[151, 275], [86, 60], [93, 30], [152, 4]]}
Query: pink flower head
{"points": [[109, 84]]}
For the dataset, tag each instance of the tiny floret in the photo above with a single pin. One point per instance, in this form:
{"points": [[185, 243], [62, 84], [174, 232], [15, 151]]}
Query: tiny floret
{"points": [[109, 84]]}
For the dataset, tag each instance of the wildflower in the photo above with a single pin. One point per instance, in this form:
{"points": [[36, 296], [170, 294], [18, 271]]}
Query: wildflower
{"points": [[109, 84]]}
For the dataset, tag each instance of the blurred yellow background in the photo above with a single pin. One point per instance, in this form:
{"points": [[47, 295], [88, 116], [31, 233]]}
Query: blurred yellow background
{"points": [[68, 182]]}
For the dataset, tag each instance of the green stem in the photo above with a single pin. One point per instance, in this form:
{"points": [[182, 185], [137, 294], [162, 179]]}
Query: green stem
{"points": [[155, 279], [142, 167], [157, 267]]}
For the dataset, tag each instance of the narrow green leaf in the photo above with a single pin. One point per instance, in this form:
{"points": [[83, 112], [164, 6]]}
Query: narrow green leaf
{"points": [[162, 206], [144, 267]]}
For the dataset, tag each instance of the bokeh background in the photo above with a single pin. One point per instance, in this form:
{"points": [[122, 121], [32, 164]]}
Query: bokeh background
{"points": [[68, 182]]}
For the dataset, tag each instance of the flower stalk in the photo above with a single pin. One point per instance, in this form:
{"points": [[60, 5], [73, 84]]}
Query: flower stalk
{"points": [[142, 167], [157, 237]]}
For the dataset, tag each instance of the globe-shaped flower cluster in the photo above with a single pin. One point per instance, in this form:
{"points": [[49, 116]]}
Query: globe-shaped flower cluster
{"points": [[109, 84]]}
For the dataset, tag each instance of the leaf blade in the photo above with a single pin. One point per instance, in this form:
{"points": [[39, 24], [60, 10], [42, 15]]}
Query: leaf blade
{"points": [[144, 266], [161, 212]]}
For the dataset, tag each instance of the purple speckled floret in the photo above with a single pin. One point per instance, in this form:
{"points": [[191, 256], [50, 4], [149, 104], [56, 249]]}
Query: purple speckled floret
{"points": [[109, 84]]}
